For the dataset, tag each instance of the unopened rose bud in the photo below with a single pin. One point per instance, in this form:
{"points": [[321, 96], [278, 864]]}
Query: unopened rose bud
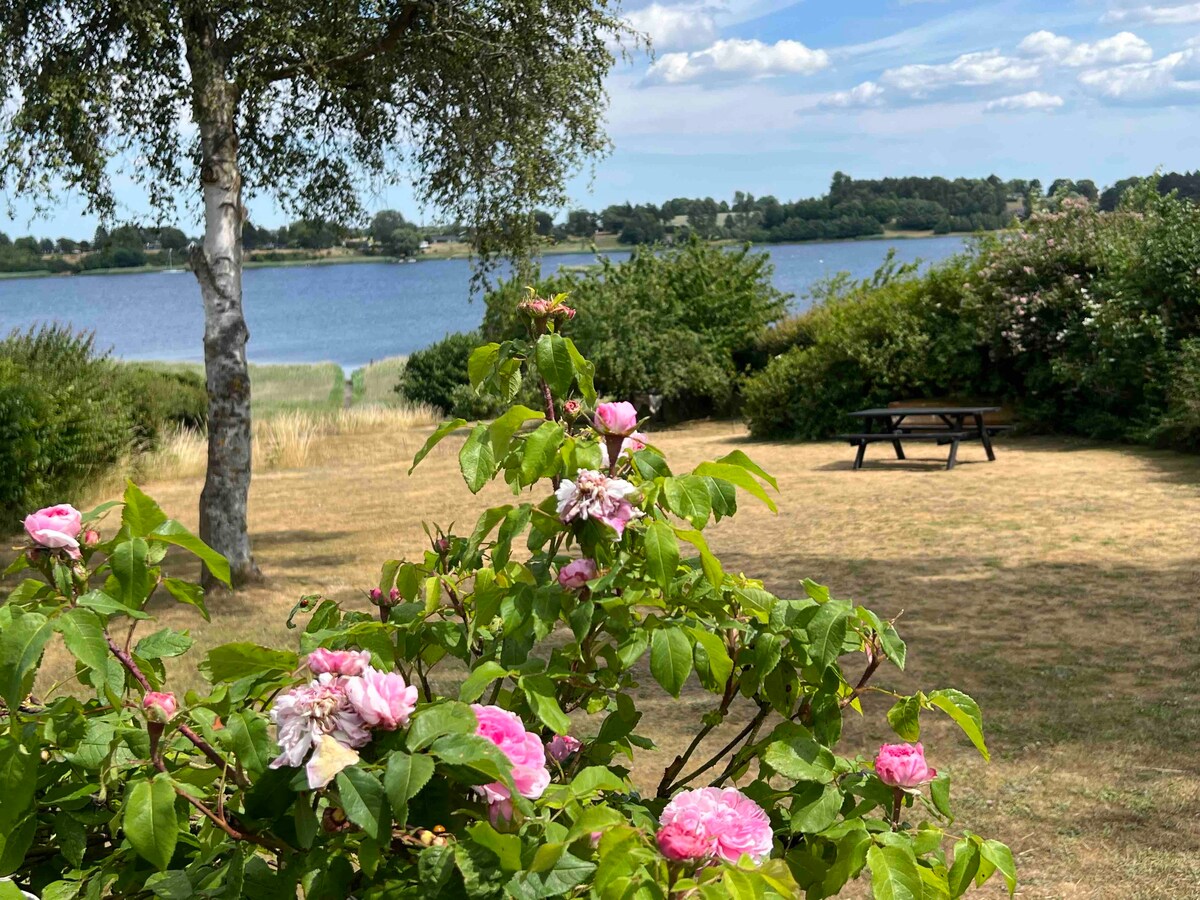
{"points": [[572, 408], [91, 537], [159, 706], [375, 594], [394, 595], [442, 546]]}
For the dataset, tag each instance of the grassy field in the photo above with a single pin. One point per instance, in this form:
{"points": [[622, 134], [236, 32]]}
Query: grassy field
{"points": [[375, 383], [310, 387], [1057, 586]]}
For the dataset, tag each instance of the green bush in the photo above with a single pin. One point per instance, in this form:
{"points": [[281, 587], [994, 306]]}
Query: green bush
{"points": [[433, 374], [1180, 427], [158, 399], [63, 419], [1080, 319], [679, 323]]}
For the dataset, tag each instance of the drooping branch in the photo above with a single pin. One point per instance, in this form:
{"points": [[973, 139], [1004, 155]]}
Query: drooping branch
{"points": [[394, 29]]}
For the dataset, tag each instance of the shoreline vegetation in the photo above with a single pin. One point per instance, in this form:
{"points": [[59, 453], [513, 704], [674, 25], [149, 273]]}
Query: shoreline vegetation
{"points": [[603, 244]]}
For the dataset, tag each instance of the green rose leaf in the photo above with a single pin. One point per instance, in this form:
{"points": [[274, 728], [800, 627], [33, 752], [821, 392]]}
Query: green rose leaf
{"points": [[670, 658], [21, 645], [905, 718], [476, 460], [84, 636], [140, 514], [965, 712], [662, 553], [403, 780], [150, 821], [129, 568], [364, 801], [894, 874], [541, 693], [171, 532], [446, 428], [554, 363]]}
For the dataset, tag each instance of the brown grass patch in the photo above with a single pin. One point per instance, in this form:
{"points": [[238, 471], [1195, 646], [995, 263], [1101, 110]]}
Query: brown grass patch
{"points": [[1057, 586]]}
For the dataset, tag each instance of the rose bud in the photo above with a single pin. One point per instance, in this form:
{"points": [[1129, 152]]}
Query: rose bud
{"points": [[159, 706], [903, 766]]}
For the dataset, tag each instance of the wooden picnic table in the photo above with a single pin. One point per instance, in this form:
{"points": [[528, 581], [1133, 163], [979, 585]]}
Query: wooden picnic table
{"points": [[940, 424]]}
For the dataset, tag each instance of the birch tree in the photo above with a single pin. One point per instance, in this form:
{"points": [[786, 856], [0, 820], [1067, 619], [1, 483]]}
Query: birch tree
{"points": [[487, 106]]}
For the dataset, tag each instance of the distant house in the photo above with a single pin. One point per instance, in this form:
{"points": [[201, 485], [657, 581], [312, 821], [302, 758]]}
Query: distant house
{"points": [[676, 222], [152, 246], [446, 239]]}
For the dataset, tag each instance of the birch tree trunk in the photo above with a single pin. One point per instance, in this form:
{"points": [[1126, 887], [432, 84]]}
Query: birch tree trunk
{"points": [[217, 263]]}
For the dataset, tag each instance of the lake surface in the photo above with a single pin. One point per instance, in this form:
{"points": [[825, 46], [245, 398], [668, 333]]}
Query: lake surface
{"points": [[353, 313]]}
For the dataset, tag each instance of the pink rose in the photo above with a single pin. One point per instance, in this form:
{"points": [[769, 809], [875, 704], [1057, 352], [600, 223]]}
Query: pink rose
{"points": [[339, 662], [561, 746], [680, 844], [615, 418], [734, 823], [56, 528], [382, 699], [159, 706], [903, 766], [523, 748], [593, 495], [575, 575]]}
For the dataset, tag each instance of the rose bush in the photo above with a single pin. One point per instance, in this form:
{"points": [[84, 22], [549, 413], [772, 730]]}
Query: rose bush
{"points": [[473, 731]]}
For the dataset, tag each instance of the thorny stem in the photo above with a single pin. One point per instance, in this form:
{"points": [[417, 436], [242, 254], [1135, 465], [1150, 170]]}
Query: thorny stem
{"points": [[220, 821], [874, 658], [202, 745], [896, 804], [665, 786], [751, 728]]}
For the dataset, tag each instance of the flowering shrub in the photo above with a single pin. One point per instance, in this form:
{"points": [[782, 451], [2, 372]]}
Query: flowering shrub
{"points": [[476, 734]]}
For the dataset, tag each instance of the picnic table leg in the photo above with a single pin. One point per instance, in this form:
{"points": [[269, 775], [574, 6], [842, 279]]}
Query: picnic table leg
{"points": [[985, 438], [862, 451], [899, 449], [953, 455]]}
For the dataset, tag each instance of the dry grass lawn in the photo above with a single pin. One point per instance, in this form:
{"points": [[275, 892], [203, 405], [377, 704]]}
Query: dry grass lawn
{"points": [[1058, 586]]}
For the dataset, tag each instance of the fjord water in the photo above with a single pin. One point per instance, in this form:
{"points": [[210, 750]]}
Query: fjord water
{"points": [[353, 313]]}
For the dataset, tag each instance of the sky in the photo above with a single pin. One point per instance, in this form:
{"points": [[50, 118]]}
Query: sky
{"points": [[772, 97]]}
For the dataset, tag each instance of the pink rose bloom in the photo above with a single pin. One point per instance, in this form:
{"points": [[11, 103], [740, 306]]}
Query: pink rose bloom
{"points": [[593, 495], [615, 418], [159, 706], [318, 719], [56, 528], [903, 766], [338, 662], [561, 746], [629, 446], [575, 575], [679, 843], [523, 748], [732, 821], [383, 699]]}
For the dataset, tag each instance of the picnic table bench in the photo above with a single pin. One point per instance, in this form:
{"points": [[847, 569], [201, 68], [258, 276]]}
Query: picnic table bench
{"points": [[937, 424]]}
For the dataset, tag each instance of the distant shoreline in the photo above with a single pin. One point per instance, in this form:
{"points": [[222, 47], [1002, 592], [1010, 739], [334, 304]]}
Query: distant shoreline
{"points": [[556, 250]]}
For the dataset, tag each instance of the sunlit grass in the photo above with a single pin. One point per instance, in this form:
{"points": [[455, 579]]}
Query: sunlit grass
{"points": [[376, 383]]}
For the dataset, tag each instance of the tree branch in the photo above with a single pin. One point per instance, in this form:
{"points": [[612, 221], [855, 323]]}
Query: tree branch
{"points": [[395, 29]]}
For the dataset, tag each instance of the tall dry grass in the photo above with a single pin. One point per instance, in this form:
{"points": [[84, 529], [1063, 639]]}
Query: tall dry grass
{"points": [[286, 440]]}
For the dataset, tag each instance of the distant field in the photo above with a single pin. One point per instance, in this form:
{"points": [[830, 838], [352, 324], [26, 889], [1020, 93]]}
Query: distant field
{"points": [[375, 383], [312, 387]]}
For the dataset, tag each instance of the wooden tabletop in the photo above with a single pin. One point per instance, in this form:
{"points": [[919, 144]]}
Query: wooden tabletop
{"points": [[885, 412]]}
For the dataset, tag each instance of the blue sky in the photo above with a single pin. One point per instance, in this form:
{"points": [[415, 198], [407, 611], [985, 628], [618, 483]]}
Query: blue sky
{"points": [[771, 97]]}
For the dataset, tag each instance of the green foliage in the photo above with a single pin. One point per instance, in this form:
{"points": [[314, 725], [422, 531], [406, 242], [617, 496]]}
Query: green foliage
{"points": [[679, 323], [159, 398], [437, 375], [192, 806], [1081, 320]]}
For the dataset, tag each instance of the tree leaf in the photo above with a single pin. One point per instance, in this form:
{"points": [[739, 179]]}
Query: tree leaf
{"points": [[21, 645], [662, 553], [476, 460], [172, 532], [140, 514], [965, 711], [894, 874], [446, 428], [554, 364], [150, 821], [84, 636], [405, 776], [670, 658], [364, 801]]}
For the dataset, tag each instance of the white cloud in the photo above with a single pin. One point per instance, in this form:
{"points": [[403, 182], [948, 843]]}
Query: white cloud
{"points": [[1184, 14], [732, 59], [866, 94], [1173, 79], [969, 70], [1028, 102], [675, 27], [1119, 49]]}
